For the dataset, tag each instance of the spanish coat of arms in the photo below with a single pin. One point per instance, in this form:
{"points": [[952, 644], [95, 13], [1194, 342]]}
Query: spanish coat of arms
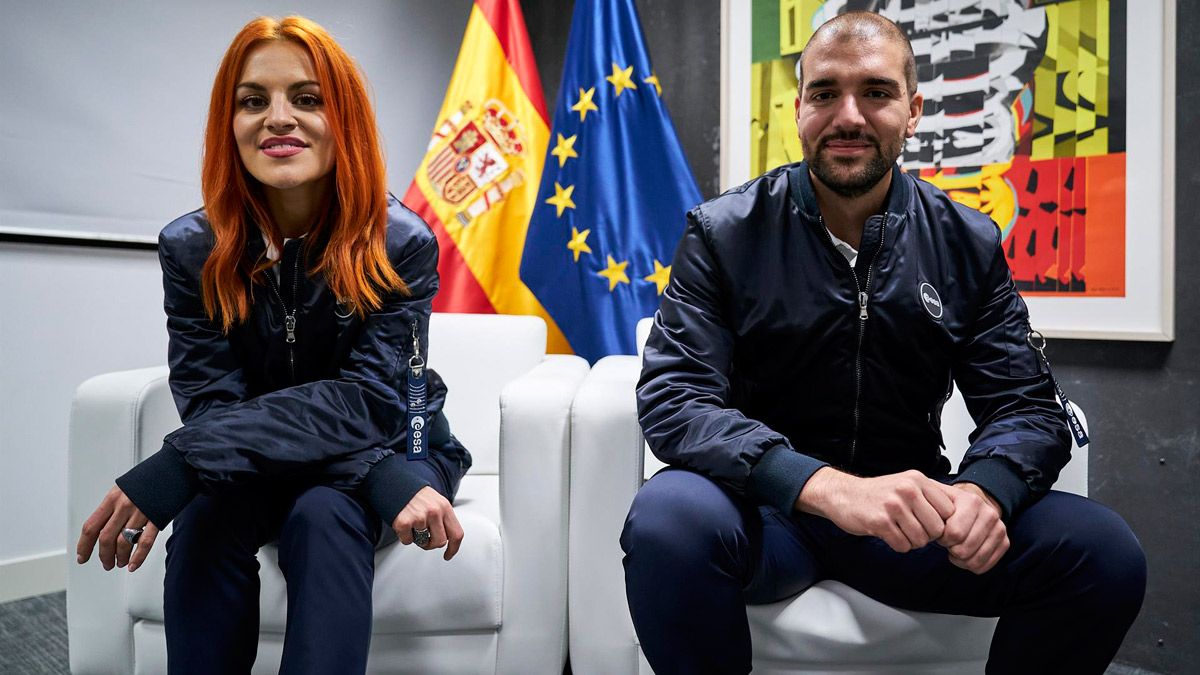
{"points": [[471, 157]]}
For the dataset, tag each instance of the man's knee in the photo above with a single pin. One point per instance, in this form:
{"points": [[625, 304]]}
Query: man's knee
{"points": [[1114, 557], [681, 517], [1099, 547]]}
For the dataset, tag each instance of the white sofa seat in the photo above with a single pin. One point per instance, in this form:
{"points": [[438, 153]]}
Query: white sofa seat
{"points": [[498, 607], [829, 628]]}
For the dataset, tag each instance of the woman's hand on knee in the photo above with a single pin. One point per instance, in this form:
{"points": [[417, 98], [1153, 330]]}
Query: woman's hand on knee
{"points": [[430, 510], [107, 525]]}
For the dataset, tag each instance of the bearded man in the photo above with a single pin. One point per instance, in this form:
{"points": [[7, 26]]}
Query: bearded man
{"points": [[815, 320]]}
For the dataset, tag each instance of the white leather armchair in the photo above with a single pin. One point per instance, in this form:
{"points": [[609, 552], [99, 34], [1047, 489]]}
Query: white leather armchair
{"points": [[828, 629], [498, 607]]}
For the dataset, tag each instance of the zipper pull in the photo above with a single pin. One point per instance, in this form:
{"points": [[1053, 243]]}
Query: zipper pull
{"points": [[290, 325], [862, 305]]}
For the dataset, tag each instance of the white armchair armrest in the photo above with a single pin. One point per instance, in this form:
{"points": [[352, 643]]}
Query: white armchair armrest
{"points": [[607, 465], [534, 458], [117, 419]]}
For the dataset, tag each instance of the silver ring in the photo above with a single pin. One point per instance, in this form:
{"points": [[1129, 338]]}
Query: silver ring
{"points": [[131, 535], [421, 537]]}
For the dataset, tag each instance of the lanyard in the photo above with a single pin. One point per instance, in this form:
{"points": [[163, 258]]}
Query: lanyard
{"points": [[417, 418], [1038, 342]]}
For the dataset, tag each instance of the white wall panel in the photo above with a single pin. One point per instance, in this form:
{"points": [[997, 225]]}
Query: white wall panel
{"points": [[66, 314]]}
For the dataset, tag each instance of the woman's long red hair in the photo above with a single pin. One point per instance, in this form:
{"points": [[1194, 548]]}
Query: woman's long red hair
{"points": [[353, 226]]}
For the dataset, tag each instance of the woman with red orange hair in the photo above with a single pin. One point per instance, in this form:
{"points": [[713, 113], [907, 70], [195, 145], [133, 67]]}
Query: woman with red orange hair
{"points": [[297, 304]]}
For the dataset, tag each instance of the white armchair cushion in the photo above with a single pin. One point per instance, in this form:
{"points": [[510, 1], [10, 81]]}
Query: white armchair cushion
{"points": [[478, 355], [832, 623]]}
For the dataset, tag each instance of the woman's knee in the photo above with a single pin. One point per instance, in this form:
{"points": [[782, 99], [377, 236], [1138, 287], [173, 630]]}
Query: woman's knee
{"points": [[214, 540], [682, 516], [327, 516], [213, 526]]}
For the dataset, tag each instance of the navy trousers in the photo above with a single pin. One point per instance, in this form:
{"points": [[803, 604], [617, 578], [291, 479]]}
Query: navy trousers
{"points": [[327, 541], [1066, 592]]}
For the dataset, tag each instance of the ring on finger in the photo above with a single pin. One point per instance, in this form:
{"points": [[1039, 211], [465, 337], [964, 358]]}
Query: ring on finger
{"points": [[131, 534], [421, 537]]}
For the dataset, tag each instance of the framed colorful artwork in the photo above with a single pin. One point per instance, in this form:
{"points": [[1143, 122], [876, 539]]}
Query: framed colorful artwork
{"points": [[1053, 117]]}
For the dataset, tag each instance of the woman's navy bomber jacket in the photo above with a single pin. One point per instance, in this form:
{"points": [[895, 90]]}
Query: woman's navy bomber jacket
{"points": [[338, 420], [771, 357]]}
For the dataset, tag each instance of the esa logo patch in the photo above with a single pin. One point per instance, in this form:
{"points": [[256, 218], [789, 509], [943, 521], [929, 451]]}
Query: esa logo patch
{"points": [[930, 300]]}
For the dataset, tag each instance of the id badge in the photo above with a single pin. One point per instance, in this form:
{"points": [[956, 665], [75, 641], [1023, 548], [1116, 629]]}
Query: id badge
{"points": [[418, 420]]}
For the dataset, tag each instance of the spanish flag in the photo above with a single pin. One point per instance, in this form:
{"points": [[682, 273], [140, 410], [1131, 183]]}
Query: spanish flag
{"points": [[479, 180]]}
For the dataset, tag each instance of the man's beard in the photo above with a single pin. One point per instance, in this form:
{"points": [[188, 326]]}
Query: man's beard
{"points": [[859, 182]]}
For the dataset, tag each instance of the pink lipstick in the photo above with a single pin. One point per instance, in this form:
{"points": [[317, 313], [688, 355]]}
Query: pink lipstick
{"points": [[282, 146]]}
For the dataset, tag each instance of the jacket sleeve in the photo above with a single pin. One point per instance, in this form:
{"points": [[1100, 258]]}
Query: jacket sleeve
{"points": [[205, 375], [1021, 440], [343, 425], [684, 392]]}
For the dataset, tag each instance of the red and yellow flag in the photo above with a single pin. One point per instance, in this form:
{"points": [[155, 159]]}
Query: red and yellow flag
{"points": [[478, 182]]}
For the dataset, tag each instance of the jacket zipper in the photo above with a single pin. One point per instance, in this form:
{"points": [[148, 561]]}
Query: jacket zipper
{"points": [[289, 317], [863, 299]]}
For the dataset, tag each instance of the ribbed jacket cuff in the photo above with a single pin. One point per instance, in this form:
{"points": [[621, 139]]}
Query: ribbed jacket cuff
{"points": [[779, 477], [160, 485], [1000, 480], [390, 486]]}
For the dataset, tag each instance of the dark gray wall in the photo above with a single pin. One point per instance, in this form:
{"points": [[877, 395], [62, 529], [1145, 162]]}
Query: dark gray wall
{"points": [[1142, 400]]}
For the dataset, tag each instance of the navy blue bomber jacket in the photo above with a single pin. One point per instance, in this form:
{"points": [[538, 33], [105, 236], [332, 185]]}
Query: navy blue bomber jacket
{"points": [[328, 408], [771, 357]]}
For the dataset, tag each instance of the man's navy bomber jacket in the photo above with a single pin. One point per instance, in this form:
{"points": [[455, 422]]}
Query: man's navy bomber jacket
{"points": [[328, 409], [771, 357]]}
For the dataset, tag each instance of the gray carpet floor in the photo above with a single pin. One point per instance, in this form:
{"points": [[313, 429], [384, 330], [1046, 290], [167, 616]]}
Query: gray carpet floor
{"points": [[33, 636]]}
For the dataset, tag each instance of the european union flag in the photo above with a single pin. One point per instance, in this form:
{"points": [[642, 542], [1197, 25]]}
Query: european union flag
{"points": [[614, 191]]}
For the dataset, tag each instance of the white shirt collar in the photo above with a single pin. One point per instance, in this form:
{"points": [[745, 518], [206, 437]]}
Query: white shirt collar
{"points": [[272, 252], [847, 251]]}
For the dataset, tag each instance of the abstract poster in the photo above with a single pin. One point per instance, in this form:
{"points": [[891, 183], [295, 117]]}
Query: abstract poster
{"points": [[1024, 119]]}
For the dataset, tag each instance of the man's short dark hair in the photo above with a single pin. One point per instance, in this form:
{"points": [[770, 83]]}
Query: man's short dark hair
{"points": [[864, 26]]}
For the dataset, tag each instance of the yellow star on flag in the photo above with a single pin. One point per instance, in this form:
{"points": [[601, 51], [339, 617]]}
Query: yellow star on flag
{"points": [[653, 79], [562, 198], [622, 79], [585, 103], [615, 273], [661, 276], [565, 149], [578, 243]]}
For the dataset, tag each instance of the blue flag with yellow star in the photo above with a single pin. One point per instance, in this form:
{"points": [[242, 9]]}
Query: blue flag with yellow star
{"points": [[614, 191]]}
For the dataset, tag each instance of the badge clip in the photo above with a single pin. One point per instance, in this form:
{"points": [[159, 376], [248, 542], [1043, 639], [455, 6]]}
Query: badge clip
{"points": [[1038, 342]]}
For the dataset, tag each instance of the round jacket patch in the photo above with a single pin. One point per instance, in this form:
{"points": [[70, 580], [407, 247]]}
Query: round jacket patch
{"points": [[930, 300]]}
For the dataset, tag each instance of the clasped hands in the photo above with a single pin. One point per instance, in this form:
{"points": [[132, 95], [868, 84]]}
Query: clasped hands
{"points": [[909, 510], [427, 509]]}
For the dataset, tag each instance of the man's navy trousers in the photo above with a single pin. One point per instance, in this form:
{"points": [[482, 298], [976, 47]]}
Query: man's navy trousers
{"points": [[1066, 591]]}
